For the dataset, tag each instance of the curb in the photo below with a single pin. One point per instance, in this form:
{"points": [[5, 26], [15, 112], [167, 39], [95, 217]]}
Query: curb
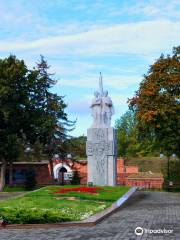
{"points": [[89, 222]]}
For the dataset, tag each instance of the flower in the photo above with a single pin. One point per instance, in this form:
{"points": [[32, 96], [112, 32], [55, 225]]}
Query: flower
{"points": [[91, 190], [3, 221]]}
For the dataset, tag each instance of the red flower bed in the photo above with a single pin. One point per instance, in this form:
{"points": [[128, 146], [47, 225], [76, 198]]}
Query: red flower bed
{"points": [[91, 190]]}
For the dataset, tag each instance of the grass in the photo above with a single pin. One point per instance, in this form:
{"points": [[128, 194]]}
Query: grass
{"points": [[43, 206], [154, 164], [14, 189]]}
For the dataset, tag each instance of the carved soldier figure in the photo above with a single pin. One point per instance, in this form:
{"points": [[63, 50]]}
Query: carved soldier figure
{"points": [[107, 109], [102, 108], [96, 110]]}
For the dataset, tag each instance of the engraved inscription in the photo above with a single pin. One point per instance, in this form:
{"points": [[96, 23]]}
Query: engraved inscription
{"points": [[99, 148], [110, 148], [99, 134], [100, 165], [89, 148]]}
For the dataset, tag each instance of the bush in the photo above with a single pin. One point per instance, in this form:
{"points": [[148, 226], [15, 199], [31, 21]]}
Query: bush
{"points": [[30, 182], [33, 215]]}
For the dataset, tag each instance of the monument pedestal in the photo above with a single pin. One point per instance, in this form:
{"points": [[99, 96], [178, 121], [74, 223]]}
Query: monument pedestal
{"points": [[101, 153]]}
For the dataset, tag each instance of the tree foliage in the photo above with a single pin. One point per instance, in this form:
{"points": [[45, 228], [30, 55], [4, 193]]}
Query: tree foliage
{"points": [[157, 103], [30, 113], [130, 142], [77, 146]]}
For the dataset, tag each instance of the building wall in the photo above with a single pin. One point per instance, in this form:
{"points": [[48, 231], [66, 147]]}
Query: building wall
{"points": [[82, 169], [147, 183], [131, 169], [43, 175], [124, 171]]}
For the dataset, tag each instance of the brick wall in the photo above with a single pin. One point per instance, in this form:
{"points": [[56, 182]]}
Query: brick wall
{"points": [[124, 171], [43, 176], [131, 169], [41, 170], [82, 170], [147, 183]]}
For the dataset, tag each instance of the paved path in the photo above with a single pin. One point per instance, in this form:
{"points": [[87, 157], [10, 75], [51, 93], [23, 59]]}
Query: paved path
{"points": [[150, 210], [6, 195]]}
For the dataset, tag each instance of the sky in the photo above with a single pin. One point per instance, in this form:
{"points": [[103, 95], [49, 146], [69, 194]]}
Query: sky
{"points": [[79, 39]]}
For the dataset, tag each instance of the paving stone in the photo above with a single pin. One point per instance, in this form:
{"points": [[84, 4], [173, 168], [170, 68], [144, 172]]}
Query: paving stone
{"points": [[150, 210]]}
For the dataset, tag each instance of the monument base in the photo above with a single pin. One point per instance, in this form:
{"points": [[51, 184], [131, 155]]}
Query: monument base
{"points": [[101, 154]]}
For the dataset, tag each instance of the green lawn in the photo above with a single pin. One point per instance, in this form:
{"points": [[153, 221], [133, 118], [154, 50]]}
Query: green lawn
{"points": [[44, 206], [14, 189]]}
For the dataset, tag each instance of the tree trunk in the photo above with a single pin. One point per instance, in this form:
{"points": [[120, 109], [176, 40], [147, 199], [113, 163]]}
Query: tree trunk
{"points": [[10, 174], [2, 176], [51, 168]]}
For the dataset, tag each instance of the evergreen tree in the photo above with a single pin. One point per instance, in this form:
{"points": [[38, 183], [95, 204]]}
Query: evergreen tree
{"points": [[29, 110]]}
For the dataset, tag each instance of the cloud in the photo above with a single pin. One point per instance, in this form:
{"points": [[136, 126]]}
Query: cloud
{"points": [[136, 38], [116, 82], [71, 68], [82, 106], [148, 9], [157, 9]]}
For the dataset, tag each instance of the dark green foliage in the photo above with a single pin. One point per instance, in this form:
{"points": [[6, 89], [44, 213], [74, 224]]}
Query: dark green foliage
{"points": [[77, 146], [37, 150], [14, 189], [174, 171], [30, 113], [126, 134], [130, 140], [30, 216], [173, 176], [13, 97], [76, 178], [30, 182]]}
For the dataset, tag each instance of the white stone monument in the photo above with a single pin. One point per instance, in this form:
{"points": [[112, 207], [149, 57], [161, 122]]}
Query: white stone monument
{"points": [[101, 141]]}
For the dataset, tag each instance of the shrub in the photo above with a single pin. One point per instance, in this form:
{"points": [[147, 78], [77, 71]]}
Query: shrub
{"points": [[33, 215], [76, 178]]}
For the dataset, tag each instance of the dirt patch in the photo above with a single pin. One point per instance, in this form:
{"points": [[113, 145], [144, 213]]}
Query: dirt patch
{"points": [[66, 198]]}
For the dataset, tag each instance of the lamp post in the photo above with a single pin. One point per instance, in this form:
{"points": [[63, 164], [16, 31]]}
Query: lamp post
{"points": [[168, 171], [27, 151], [56, 156], [161, 156]]}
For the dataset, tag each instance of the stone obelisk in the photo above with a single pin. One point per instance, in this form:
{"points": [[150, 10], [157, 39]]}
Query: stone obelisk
{"points": [[101, 141]]}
